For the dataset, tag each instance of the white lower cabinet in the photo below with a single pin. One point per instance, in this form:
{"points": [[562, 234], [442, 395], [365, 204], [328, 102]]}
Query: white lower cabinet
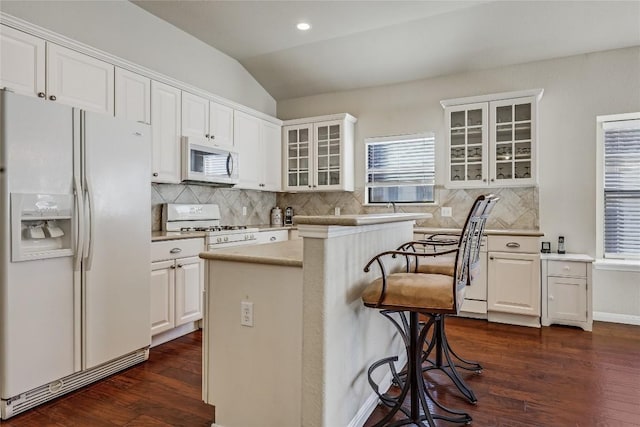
{"points": [[513, 280], [177, 284], [566, 290]]}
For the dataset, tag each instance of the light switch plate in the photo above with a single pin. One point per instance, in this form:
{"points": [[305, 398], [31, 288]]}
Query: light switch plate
{"points": [[246, 313]]}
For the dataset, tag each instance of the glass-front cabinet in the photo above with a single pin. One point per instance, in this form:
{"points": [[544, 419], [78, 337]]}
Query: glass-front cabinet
{"points": [[491, 143], [467, 149], [318, 154]]}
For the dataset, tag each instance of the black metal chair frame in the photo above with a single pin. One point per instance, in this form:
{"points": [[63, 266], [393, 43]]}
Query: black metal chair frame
{"points": [[414, 333]]}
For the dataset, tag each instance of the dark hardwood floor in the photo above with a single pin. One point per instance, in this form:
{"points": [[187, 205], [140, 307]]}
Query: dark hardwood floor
{"points": [[549, 377]]}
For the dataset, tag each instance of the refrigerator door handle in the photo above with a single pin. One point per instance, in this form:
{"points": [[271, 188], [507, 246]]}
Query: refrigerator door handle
{"points": [[79, 215], [89, 224]]}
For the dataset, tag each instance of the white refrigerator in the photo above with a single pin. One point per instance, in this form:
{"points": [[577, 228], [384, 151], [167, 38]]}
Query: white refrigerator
{"points": [[75, 248]]}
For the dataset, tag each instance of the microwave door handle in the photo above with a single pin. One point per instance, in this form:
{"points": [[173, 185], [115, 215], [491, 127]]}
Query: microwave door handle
{"points": [[230, 165]]}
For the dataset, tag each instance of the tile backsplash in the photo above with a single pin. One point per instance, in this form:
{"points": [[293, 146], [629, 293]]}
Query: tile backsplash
{"points": [[230, 200], [518, 207]]}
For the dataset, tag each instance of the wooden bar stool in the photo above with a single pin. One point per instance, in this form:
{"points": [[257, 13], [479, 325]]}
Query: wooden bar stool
{"points": [[402, 294]]}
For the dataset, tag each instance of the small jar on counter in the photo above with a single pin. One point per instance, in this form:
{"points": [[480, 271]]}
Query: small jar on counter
{"points": [[276, 217]]}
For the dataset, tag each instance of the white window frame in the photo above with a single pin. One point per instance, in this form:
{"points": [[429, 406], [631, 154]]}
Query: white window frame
{"points": [[632, 264], [394, 138]]}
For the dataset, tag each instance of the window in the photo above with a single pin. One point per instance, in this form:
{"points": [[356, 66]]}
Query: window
{"points": [[400, 169], [619, 186]]}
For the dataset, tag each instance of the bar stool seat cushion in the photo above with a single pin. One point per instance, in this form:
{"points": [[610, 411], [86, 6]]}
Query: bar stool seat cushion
{"points": [[446, 269], [408, 291]]}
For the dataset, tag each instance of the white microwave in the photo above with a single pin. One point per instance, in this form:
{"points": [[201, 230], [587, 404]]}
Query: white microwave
{"points": [[207, 164]]}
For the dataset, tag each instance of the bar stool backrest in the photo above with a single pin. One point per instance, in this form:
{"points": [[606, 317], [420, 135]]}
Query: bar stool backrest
{"points": [[468, 256]]}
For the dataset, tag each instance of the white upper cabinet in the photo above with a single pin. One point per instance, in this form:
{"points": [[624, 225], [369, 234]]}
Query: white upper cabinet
{"points": [[493, 142], [206, 119], [271, 155], [195, 115], [165, 130], [318, 153], [79, 80], [221, 125], [133, 96], [22, 62], [259, 151]]}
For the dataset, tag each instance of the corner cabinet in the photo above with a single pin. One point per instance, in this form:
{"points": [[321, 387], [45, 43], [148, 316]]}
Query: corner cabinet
{"points": [[491, 140], [318, 153], [259, 153]]}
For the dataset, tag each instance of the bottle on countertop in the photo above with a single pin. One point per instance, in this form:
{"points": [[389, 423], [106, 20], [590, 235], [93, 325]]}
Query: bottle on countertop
{"points": [[276, 217], [561, 245]]}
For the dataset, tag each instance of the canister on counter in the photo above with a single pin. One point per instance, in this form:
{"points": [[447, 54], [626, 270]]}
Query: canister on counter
{"points": [[276, 217]]}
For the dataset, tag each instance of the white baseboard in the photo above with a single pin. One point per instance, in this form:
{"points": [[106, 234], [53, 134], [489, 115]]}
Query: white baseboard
{"points": [[174, 333], [370, 404], [628, 319]]}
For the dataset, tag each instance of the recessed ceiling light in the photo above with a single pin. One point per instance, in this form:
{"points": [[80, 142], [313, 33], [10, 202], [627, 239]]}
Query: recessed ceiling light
{"points": [[303, 26]]}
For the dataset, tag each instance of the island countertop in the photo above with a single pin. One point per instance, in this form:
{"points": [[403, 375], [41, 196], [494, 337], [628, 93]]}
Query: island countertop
{"points": [[287, 253], [359, 219]]}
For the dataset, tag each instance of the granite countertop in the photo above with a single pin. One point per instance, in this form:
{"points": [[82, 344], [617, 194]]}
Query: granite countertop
{"points": [[488, 232], [158, 236], [268, 227], [287, 253], [355, 220]]}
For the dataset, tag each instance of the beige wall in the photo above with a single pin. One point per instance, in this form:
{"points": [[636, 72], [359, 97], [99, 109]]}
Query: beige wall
{"points": [[129, 32], [576, 90]]}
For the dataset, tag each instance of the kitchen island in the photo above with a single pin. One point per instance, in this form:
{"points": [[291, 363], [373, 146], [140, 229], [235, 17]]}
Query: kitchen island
{"points": [[303, 358]]}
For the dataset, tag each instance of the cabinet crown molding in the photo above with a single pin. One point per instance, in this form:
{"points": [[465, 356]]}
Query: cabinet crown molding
{"points": [[341, 116], [492, 97]]}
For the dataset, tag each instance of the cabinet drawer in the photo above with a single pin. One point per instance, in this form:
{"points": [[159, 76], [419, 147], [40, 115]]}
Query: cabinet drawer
{"points": [[172, 249], [567, 268], [520, 244]]}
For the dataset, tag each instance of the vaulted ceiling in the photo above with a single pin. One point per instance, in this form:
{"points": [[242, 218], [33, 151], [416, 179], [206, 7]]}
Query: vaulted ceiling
{"points": [[355, 44]]}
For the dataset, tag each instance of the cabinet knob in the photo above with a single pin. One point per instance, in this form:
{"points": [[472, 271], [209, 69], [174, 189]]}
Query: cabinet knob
{"points": [[173, 267], [272, 238], [212, 137], [41, 95], [207, 136], [155, 174], [491, 258], [53, 97], [484, 179], [492, 180], [550, 297], [309, 186], [179, 265]]}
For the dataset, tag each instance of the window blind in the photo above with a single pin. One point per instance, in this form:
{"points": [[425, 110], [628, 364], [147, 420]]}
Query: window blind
{"points": [[622, 189], [401, 168]]}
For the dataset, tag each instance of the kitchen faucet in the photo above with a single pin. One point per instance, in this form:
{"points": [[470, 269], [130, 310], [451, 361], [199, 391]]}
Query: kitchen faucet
{"points": [[392, 204]]}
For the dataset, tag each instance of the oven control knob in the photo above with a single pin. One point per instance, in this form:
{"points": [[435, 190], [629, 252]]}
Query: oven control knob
{"points": [[219, 240], [226, 239]]}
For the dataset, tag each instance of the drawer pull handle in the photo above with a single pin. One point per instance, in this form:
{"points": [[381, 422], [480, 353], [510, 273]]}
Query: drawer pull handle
{"points": [[272, 238], [566, 268], [513, 245], [175, 251]]}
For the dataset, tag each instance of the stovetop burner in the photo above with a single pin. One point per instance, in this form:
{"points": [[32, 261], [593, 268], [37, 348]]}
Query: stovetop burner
{"points": [[215, 228]]}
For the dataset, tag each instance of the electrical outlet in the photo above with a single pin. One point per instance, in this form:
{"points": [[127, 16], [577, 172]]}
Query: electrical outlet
{"points": [[246, 313], [244, 211], [336, 211], [446, 211]]}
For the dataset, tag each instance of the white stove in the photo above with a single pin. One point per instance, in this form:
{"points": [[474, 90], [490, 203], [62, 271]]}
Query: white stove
{"points": [[206, 218]]}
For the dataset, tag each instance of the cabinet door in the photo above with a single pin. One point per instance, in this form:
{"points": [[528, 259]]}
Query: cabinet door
{"points": [[478, 288], [162, 296], [221, 125], [133, 96], [467, 145], [513, 141], [165, 128], [514, 283], [189, 287], [195, 115], [272, 236], [22, 62], [328, 152], [247, 143], [79, 80], [271, 155], [567, 298], [297, 157]]}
